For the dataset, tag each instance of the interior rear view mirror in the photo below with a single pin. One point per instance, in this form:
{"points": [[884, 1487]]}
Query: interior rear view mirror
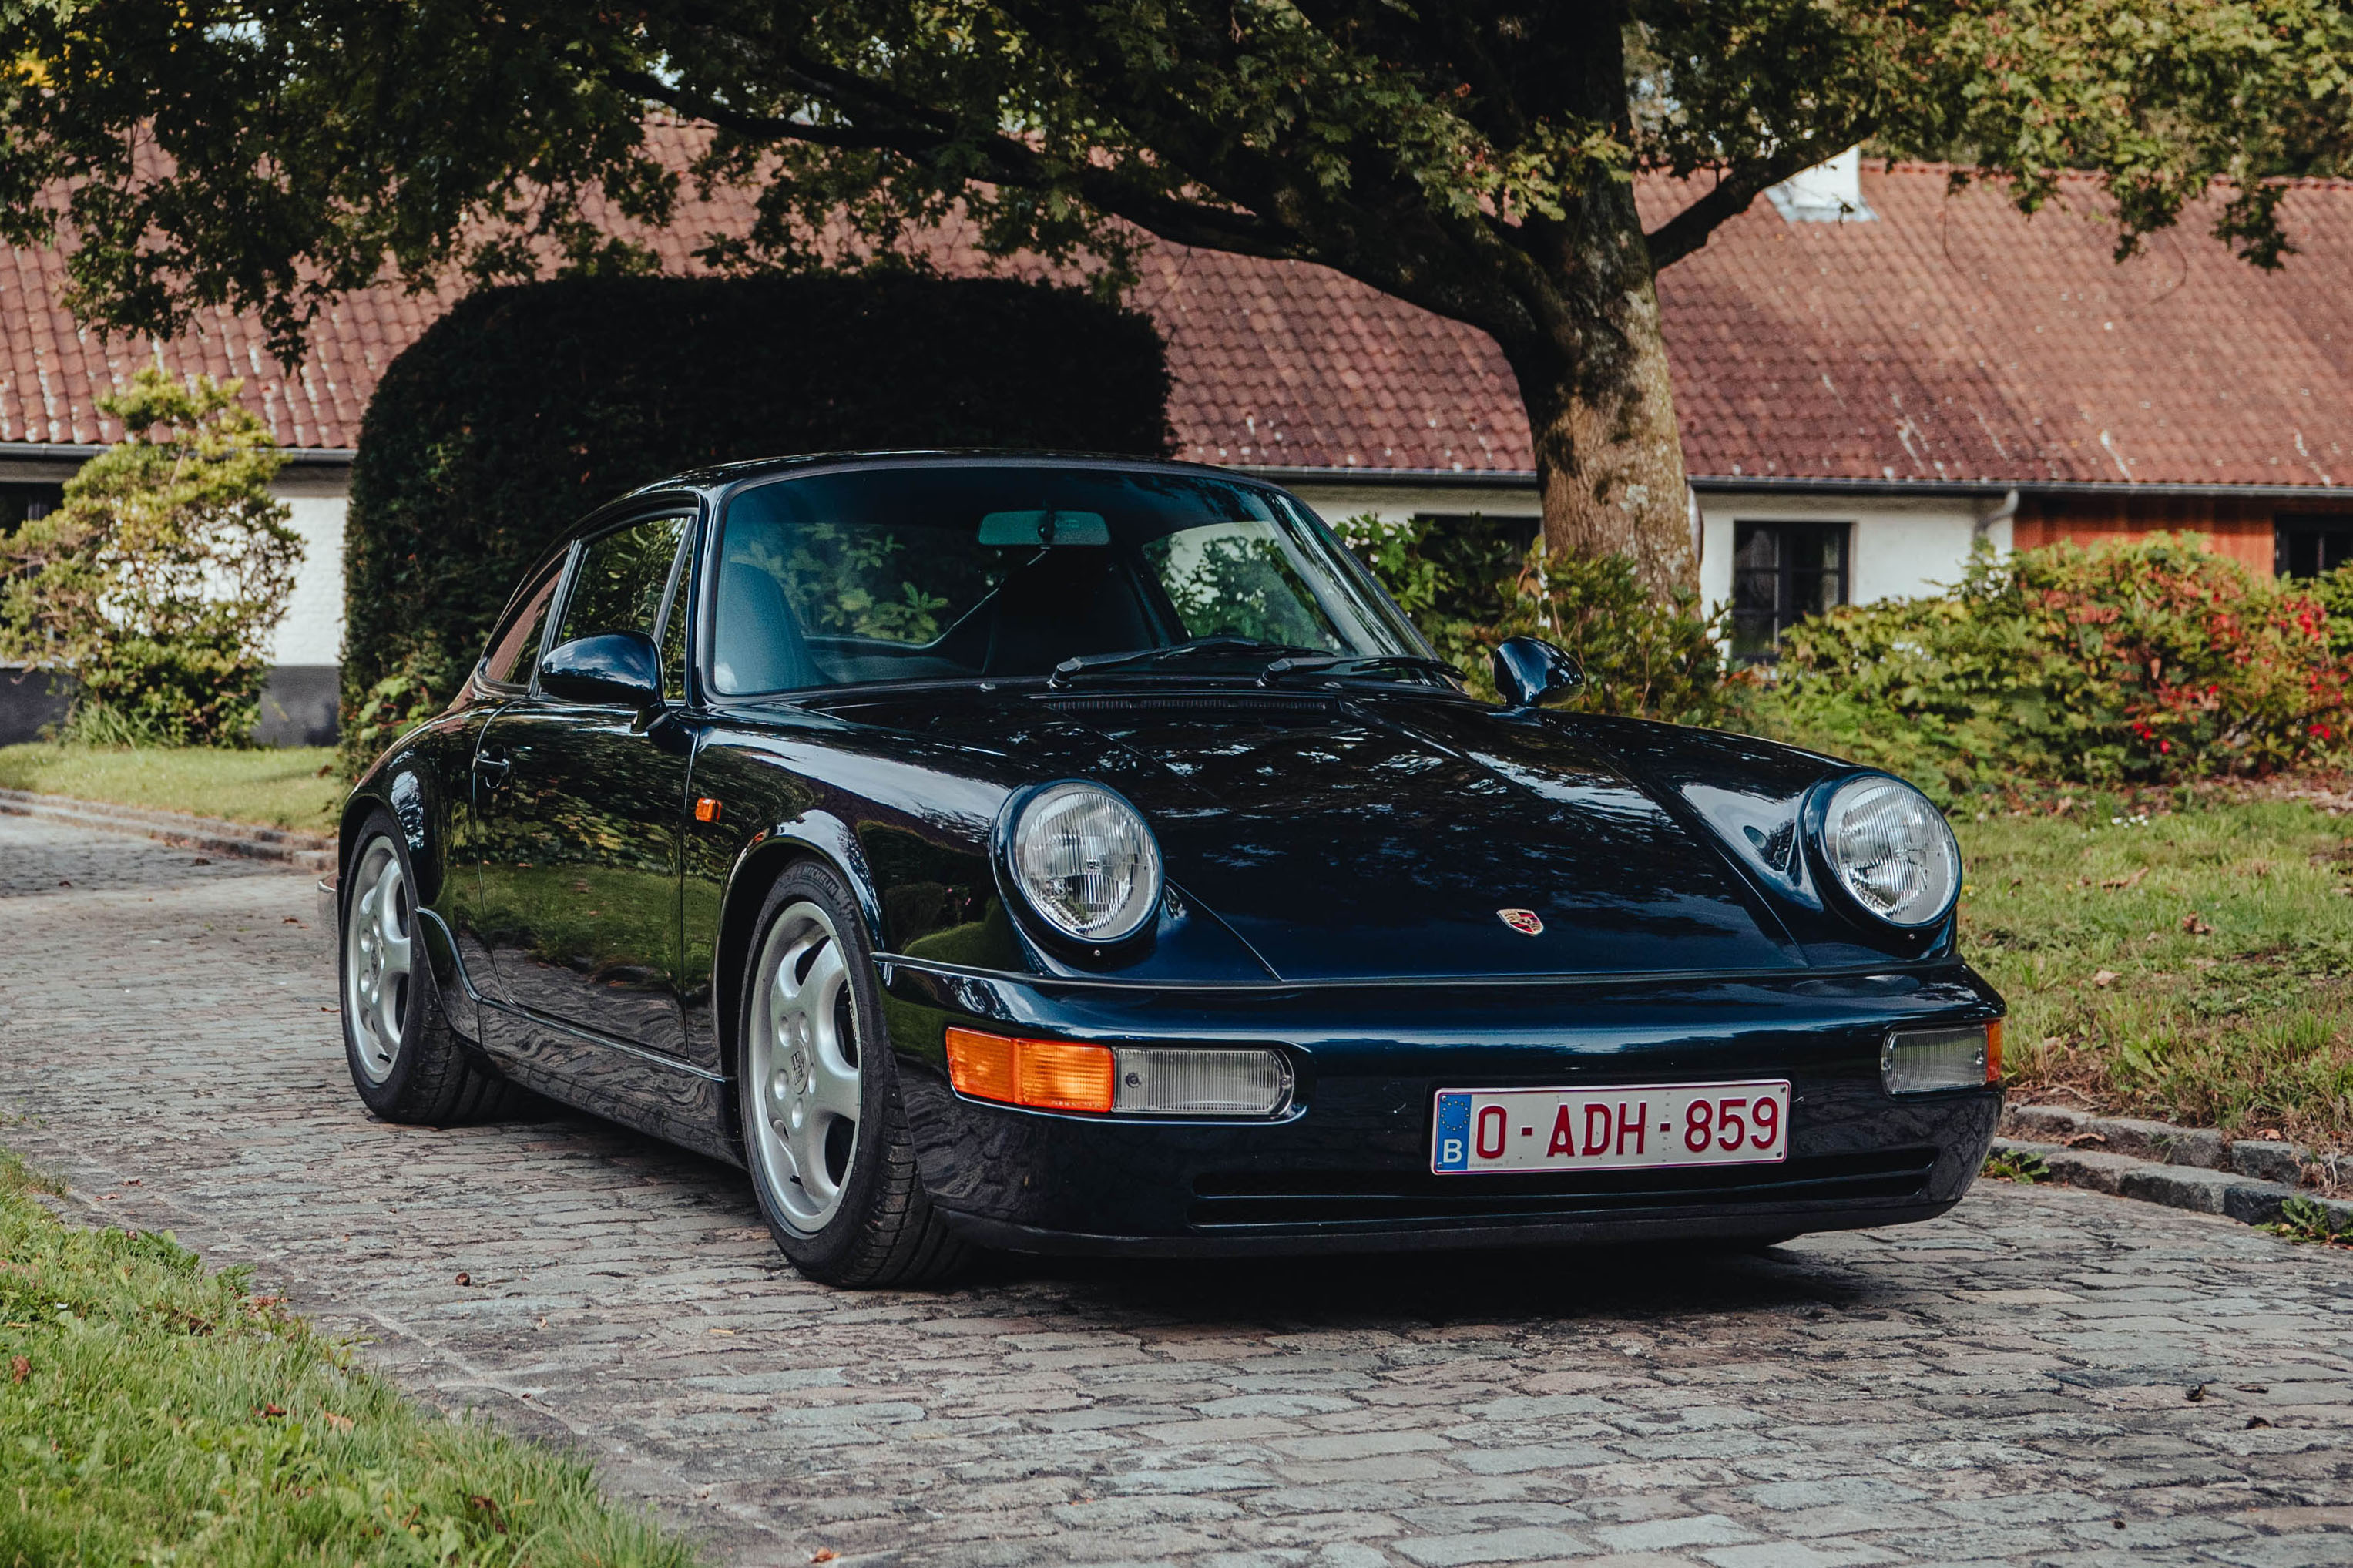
{"points": [[1013, 530]]}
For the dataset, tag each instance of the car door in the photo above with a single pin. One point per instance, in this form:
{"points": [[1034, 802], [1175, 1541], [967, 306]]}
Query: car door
{"points": [[578, 808], [504, 675]]}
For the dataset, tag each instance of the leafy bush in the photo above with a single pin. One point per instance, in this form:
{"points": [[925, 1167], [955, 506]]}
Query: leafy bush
{"points": [[2333, 591], [156, 584], [1641, 656], [2143, 662], [1469, 586], [525, 408]]}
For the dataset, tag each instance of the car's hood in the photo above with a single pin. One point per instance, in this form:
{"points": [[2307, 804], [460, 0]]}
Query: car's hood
{"points": [[1396, 838]]}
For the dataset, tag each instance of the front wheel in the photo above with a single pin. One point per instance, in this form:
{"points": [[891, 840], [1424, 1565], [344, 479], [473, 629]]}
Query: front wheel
{"points": [[407, 1062], [832, 1163]]}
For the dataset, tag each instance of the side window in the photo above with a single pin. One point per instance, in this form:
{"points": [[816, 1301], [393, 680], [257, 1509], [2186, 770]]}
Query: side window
{"points": [[621, 580], [673, 637], [513, 654]]}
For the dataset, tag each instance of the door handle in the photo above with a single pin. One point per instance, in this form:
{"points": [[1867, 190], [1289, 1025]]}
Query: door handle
{"points": [[493, 768]]}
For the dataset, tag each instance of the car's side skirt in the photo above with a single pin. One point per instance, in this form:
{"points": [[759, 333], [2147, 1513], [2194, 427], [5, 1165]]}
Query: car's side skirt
{"points": [[672, 1100]]}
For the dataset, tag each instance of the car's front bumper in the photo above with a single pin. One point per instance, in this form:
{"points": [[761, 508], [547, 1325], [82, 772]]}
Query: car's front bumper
{"points": [[1348, 1167]]}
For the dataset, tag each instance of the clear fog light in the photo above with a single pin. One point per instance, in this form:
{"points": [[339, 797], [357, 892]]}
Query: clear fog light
{"points": [[1921, 1060], [1157, 1082]]}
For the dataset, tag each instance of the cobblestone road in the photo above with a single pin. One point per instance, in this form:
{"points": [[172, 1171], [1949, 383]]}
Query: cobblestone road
{"points": [[2012, 1384]]}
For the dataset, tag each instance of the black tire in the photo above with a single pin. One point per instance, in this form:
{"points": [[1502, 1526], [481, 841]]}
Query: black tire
{"points": [[877, 1228], [426, 1075]]}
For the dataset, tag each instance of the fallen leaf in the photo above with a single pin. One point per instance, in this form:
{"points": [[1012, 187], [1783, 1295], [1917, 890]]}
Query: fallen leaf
{"points": [[2077, 1141], [20, 1368], [721, 1330], [465, 1279], [200, 861], [822, 1554], [2105, 979], [2253, 1422], [2196, 927], [290, 920], [2053, 1042], [340, 1423], [64, 882], [2199, 1393], [2121, 882], [272, 1411], [2208, 963]]}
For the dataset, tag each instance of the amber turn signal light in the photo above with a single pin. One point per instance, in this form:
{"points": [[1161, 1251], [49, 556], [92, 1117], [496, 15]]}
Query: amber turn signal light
{"points": [[1044, 1074], [706, 810], [1993, 1052]]}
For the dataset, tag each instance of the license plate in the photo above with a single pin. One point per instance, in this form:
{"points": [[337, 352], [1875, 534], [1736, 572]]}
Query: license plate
{"points": [[1483, 1131]]}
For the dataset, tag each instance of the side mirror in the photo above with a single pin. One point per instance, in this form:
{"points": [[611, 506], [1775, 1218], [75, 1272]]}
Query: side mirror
{"points": [[617, 668], [1532, 673]]}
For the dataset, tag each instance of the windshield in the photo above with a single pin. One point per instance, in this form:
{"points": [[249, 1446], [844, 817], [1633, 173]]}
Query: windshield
{"points": [[910, 574]]}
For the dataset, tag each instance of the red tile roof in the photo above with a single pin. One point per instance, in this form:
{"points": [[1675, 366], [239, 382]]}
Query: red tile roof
{"points": [[1950, 340]]}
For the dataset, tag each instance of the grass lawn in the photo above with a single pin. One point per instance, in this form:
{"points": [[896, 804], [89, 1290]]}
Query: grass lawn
{"points": [[152, 1412], [282, 788], [2194, 964]]}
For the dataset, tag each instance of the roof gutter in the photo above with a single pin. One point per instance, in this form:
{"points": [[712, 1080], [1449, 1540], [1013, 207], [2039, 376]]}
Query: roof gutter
{"points": [[1720, 484], [2004, 488], [82, 451]]}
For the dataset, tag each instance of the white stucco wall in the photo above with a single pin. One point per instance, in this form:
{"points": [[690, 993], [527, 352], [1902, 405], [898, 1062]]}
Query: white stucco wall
{"points": [[1395, 503], [312, 631], [1903, 548]]}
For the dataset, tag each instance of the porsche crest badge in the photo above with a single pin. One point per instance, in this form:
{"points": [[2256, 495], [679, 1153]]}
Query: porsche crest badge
{"points": [[1524, 921]]}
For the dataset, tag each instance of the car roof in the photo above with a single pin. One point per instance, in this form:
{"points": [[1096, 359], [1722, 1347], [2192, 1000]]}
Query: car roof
{"points": [[730, 475]]}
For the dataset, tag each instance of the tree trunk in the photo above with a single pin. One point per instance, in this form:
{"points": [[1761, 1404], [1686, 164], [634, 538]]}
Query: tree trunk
{"points": [[1601, 402]]}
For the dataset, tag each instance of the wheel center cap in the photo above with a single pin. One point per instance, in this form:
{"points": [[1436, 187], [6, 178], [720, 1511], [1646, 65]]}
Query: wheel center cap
{"points": [[799, 1061]]}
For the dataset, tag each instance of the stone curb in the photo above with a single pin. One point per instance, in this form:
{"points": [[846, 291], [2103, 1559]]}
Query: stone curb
{"points": [[2200, 1190], [2260, 1158], [313, 852]]}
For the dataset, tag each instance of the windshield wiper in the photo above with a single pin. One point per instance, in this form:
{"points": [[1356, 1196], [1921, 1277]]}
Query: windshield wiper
{"points": [[1354, 663], [1086, 662]]}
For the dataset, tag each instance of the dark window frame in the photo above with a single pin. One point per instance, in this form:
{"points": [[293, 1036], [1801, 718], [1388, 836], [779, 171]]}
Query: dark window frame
{"points": [[1787, 608], [688, 517], [560, 567], [2303, 543], [24, 499]]}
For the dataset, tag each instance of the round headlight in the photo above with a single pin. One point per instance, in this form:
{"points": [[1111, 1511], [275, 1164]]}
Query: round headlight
{"points": [[1086, 862], [1892, 850]]}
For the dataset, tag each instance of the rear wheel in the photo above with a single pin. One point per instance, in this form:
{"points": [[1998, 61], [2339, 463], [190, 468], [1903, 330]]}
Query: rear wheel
{"points": [[832, 1163], [407, 1062]]}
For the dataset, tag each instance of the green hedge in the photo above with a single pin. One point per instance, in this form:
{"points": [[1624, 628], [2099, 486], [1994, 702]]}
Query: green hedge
{"points": [[527, 407]]}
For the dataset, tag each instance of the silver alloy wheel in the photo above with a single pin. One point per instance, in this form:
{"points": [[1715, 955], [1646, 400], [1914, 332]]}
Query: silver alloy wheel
{"points": [[802, 1068], [378, 962]]}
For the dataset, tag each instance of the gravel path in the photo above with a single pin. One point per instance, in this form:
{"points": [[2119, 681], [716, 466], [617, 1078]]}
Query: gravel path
{"points": [[2014, 1383]]}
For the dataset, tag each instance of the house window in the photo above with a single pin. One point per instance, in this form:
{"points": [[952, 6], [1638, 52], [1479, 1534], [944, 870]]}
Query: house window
{"points": [[20, 504], [1781, 573], [2308, 546]]}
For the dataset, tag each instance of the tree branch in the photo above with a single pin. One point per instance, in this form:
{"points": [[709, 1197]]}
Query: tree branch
{"points": [[1690, 228], [1011, 163]]}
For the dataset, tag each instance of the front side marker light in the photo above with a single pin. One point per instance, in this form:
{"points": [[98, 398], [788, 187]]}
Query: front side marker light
{"points": [[1044, 1075], [1063, 1075], [1925, 1061]]}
